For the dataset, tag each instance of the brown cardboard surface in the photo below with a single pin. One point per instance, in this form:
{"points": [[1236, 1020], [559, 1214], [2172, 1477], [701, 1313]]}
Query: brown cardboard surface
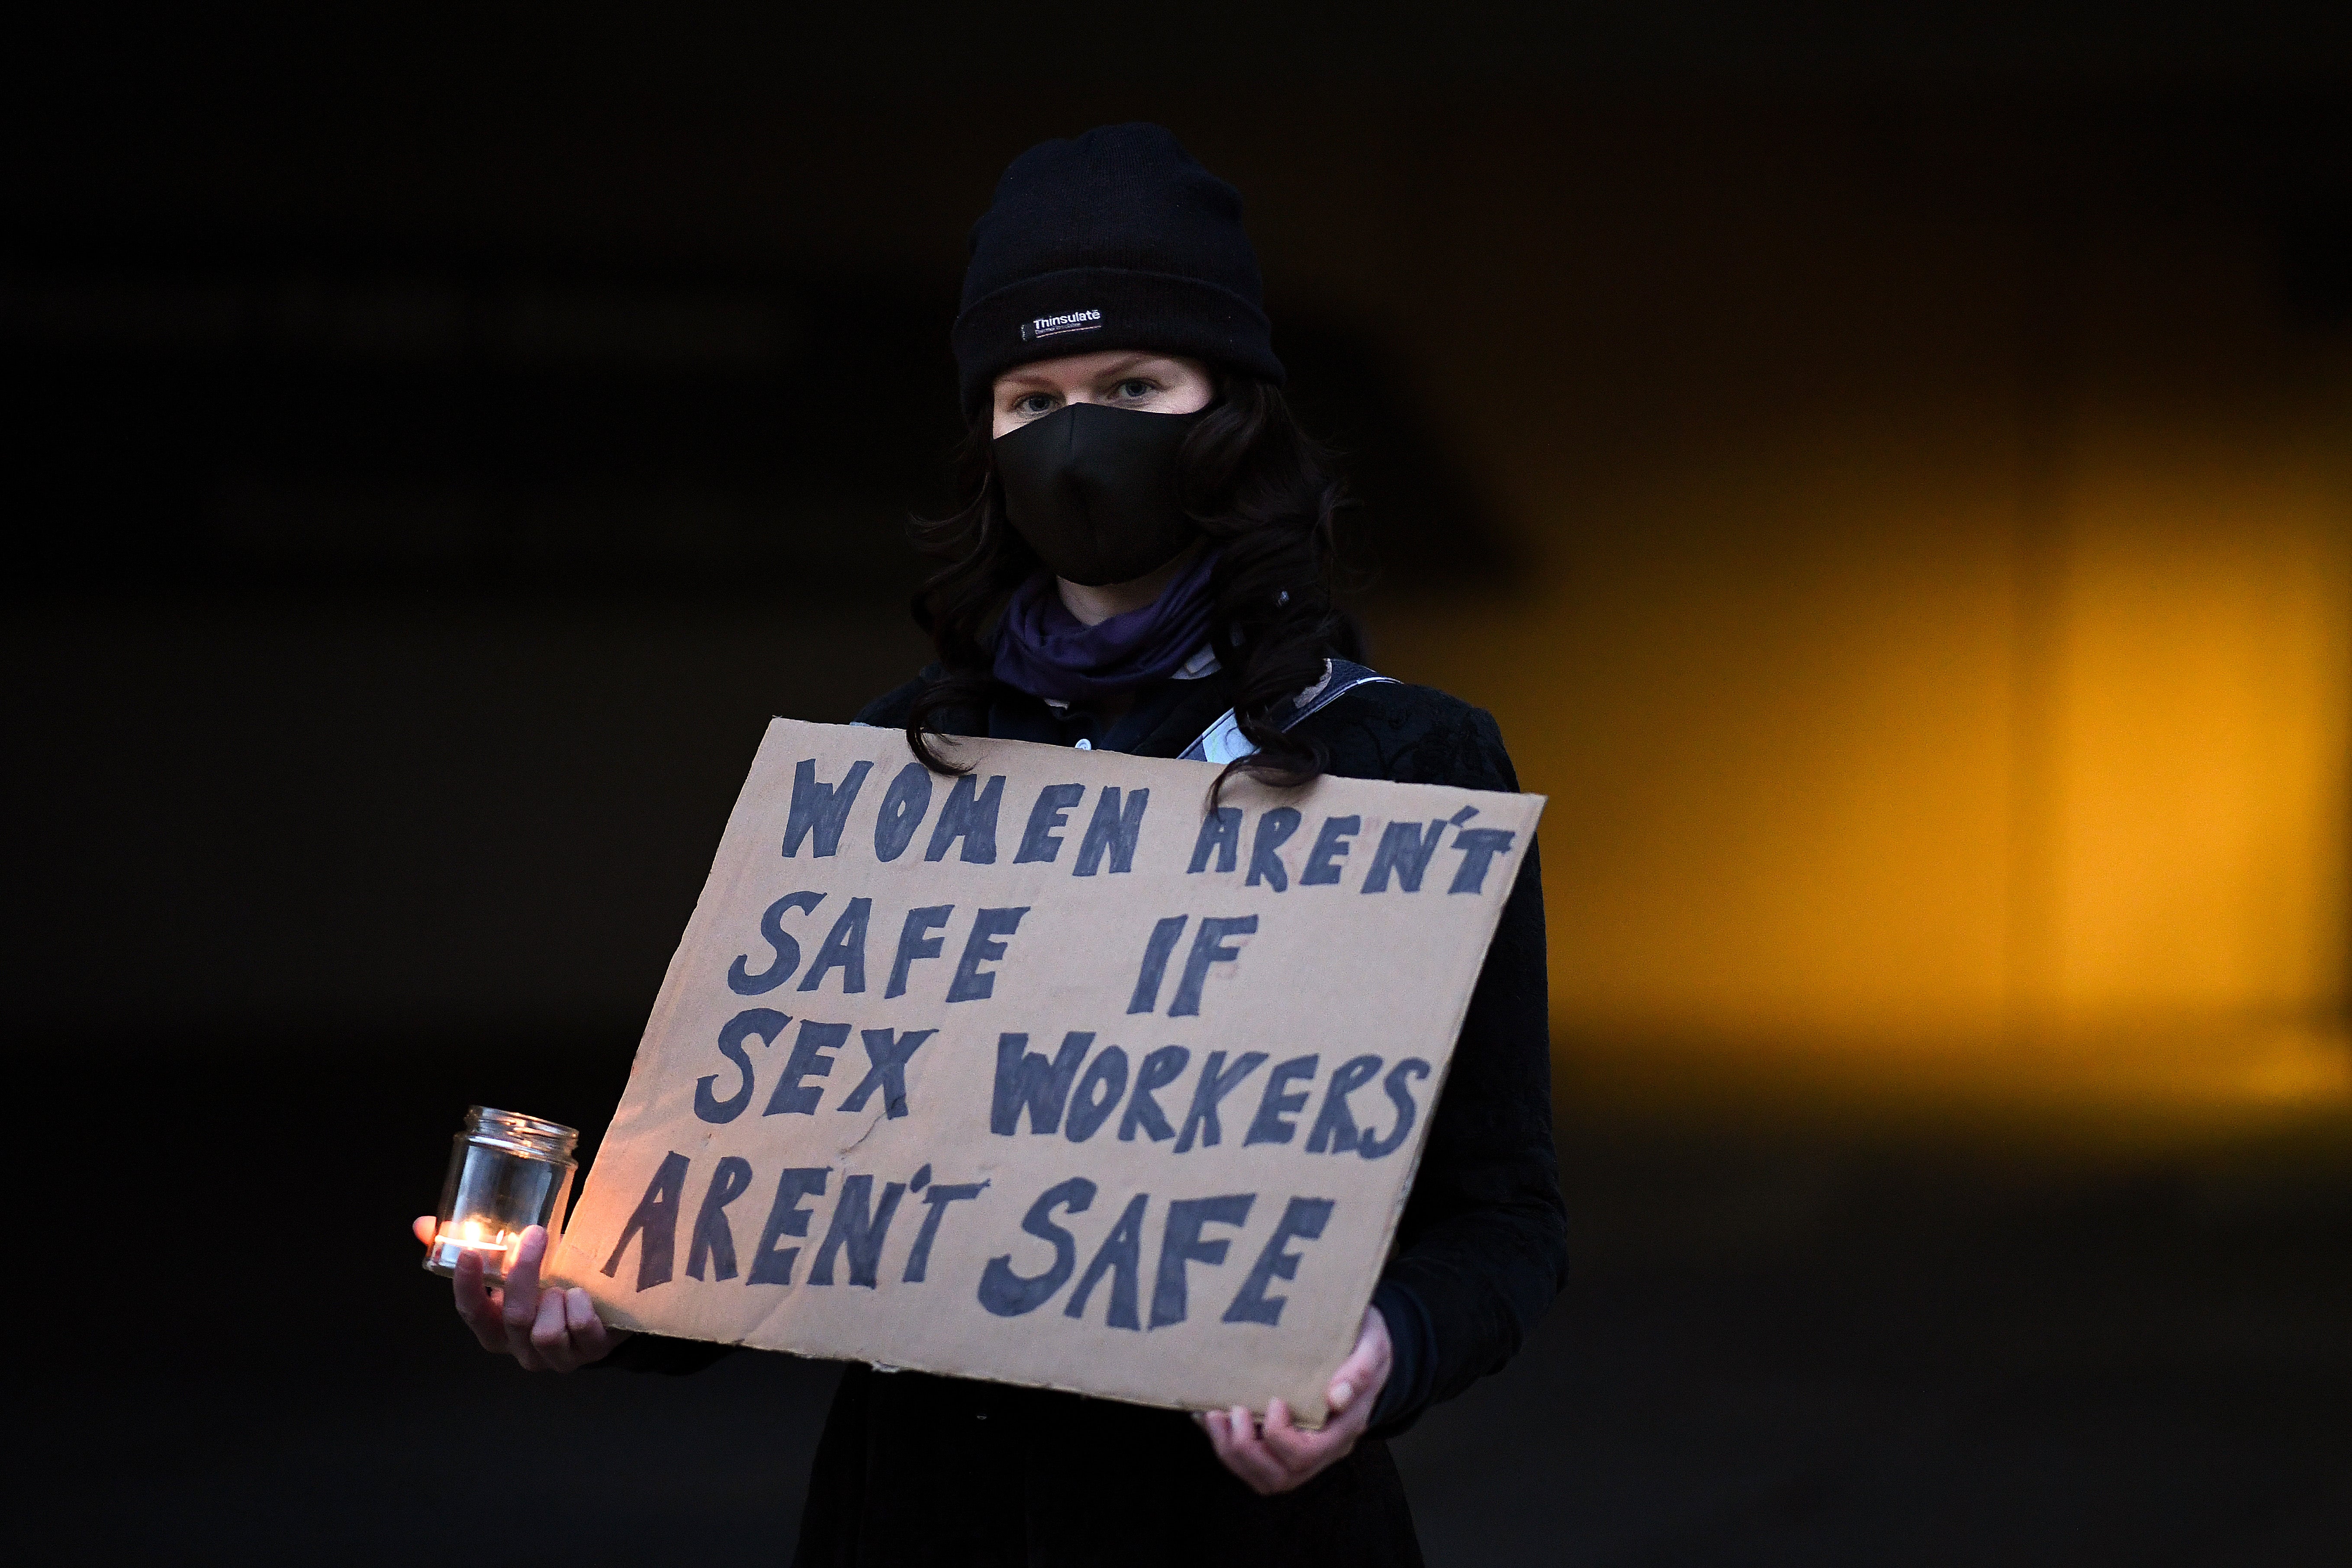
{"points": [[769, 1179]]}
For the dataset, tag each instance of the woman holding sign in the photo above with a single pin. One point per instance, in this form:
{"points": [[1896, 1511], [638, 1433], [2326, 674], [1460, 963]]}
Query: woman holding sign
{"points": [[1143, 566]]}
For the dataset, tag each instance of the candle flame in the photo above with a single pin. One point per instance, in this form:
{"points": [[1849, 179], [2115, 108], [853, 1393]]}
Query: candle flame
{"points": [[468, 1236]]}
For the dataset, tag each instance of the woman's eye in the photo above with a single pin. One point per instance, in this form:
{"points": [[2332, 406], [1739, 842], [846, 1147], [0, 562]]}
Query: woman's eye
{"points": [[1034, 404], [1135, 389]]}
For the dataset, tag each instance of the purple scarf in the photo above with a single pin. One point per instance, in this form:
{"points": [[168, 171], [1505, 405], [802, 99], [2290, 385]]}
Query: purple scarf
{"points": [[1044, 650]]}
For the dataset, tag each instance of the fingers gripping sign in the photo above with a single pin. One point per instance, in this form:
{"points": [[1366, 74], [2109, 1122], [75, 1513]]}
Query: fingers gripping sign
{"points": [[1280, 1455], [552, 1330]]}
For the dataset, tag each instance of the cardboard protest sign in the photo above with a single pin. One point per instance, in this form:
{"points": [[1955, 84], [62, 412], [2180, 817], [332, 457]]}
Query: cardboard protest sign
{"points": [[1045, 1074]]}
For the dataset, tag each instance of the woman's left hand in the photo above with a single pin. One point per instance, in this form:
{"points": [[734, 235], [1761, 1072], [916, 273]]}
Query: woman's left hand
{"points": [[1282, 1455]]}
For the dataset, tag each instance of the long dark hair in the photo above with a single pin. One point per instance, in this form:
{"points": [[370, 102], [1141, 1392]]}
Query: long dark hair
{"points": [[1265, 494]]}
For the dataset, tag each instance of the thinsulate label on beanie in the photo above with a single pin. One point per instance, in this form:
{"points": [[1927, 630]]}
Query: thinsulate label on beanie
{"points": [[1046, 1073], [1059, 326]]}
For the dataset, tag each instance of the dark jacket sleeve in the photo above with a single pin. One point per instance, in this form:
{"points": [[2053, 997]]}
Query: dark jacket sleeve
{"points": [[660, 1353], [888, 711], [1482, 1247]]}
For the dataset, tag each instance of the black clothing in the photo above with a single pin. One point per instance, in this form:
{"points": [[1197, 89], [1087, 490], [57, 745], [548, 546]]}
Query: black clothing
{"points": [[1114, 239], [918, 1469]]}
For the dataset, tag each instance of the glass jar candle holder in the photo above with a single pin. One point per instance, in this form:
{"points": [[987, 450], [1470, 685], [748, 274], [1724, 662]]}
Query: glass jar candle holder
{"points": [[508, 1172]]}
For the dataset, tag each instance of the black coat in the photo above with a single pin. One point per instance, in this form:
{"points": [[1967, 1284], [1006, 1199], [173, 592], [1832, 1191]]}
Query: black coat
{"points": [[914, 1468]]}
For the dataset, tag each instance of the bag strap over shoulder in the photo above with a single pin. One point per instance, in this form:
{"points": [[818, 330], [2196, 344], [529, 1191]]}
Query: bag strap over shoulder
{"points": [[1223, 741]]}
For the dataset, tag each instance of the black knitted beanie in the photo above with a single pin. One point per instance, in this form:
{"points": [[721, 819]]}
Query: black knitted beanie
{"points": [[1116, 239]]}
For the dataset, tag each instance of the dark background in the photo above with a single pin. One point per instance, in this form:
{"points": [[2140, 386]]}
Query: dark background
{"points": [[439, 440]]}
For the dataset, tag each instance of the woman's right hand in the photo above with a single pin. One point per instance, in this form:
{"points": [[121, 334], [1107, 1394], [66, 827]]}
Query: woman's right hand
{"points": [[555, 1330]]}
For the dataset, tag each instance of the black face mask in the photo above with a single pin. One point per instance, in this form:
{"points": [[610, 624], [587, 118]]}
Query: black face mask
{"points": [[1093, 489]]}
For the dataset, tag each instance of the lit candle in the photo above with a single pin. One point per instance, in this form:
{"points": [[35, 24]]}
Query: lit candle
{"points": [[507, 1172], [497, 1252]]}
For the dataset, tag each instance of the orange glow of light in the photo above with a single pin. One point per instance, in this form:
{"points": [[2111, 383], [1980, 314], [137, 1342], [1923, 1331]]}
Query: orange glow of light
{"points": [[1876, 774]]}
